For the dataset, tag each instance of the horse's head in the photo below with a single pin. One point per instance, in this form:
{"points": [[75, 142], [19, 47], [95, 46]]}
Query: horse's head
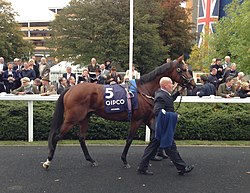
{"points": [[182, 75]]}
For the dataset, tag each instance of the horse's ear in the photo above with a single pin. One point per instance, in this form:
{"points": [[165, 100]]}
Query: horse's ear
{"points": [[180, 59]]}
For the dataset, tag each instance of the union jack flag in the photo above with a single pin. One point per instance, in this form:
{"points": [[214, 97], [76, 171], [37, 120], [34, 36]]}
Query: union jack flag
{"points": [[208, 14]]}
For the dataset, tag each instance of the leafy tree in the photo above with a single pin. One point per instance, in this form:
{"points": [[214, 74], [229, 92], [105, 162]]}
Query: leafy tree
{"points": [[100, 29], [176, 27], [11, 38], [232, 35]]}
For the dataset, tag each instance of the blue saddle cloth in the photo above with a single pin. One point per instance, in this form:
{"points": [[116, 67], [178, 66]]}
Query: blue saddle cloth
{"points": [[115, 98], [165, 128]]}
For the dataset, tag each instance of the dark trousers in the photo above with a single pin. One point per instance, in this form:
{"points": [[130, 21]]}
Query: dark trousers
{"points": [[151, 150]]}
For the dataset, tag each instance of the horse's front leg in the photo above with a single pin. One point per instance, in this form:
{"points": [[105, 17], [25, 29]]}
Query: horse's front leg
{"points": [[133, 129], [83, 132]]}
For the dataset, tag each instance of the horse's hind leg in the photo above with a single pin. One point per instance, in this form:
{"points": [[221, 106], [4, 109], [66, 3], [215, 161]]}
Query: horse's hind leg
{"points": [[54, 138], [133, 129], [82, 136]]}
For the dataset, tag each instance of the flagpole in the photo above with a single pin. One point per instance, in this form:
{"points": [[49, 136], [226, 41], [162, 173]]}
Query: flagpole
{"points": [[131, 31]]}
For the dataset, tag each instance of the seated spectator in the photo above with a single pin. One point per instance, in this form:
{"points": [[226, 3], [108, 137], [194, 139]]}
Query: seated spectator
{"points": [[47, 88], [10, 77], [114, 77], [212, 78], [27, 71], [227, 64], [135, 73], [84, 77], [207, 88], [98, 78], [227, 90], [239, 77], [38, 83], [244, 91], [69, 73], [232, 72], [104, 72], [63, 83], [72, 81], [26, 88]]}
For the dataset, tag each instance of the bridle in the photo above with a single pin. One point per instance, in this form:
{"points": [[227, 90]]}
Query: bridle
{"points": [[181, 72]]}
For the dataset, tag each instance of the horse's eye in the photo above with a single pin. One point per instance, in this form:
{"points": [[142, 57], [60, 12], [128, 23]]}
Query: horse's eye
{"points": [[178, 69]]}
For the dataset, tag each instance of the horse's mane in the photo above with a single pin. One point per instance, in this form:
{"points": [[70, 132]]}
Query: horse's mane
{"points": [[159, 70]]}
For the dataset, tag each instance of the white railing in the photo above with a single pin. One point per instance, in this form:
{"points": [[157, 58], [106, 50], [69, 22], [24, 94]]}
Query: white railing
{"points": [[184, 99]]}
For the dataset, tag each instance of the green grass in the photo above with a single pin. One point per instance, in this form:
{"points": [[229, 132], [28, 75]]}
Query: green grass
{"points": [[122, 142]]}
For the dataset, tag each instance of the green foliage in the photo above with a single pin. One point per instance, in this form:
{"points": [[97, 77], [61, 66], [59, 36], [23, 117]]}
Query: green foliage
{"points": [[197, 121], [232, 35], [100, 29], [11, 38]]}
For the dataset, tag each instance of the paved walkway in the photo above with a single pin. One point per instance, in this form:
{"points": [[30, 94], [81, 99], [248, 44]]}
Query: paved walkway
{"points": [[217, 170]]}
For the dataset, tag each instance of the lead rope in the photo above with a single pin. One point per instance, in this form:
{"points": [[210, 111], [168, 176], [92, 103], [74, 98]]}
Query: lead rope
{"points": [[176, 88]]}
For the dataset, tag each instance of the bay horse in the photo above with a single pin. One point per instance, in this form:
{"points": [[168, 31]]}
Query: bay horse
{"points": [[75, 106]]}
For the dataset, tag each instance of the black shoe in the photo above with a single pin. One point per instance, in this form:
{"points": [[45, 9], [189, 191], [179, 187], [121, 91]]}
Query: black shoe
{"points": [[162, 154], [187, 169], [156, 158], [145, 172]]}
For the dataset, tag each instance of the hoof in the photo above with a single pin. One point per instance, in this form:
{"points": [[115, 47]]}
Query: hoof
{"points": [[45, 166], [127, 166], [94, 164]]}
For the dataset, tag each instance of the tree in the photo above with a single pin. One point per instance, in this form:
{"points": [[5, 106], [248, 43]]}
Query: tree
{"points": [[176, 28], [232, 35], [11, 38], [100, 29]]}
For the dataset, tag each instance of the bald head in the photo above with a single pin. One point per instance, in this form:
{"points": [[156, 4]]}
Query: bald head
{"points": [[166, 84]]}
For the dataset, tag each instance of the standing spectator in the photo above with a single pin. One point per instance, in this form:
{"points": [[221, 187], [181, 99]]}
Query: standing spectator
{"points": [[207, 88], [47, 88], [219, 68], [135, 73], [18, 68], [69, 73], [26, 88], [84, 77], [35, 61], [212, 78], [44, 68], [3, 67], [114, 77], [27, 72], [108, 65], [92, 67], [98, 78], [63, 83], [34, 67], [226, 90], [166, 123], [227, 64], [10, 77]]}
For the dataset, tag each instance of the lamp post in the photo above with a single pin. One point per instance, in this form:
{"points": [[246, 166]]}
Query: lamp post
{"points": [[131, 31]]}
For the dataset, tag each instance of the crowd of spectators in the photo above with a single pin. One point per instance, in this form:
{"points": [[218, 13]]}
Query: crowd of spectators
{"points": [[31, 77], [223, 80]]}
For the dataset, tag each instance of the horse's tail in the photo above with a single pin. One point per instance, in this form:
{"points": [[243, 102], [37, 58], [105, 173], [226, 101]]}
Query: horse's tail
{"points": [[57, 120]]}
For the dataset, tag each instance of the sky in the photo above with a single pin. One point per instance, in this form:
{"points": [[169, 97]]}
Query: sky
{"points": [[36, 10]]}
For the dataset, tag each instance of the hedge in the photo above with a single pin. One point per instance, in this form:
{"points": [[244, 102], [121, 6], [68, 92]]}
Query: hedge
{"points": [[197, 121]]}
